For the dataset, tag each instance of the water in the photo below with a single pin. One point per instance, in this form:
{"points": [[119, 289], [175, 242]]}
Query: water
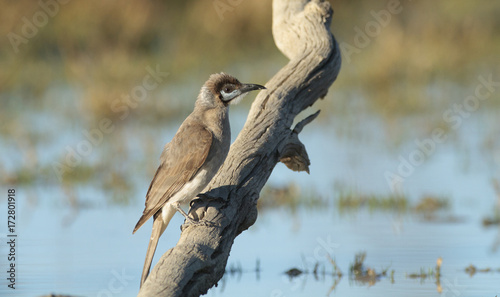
{"points": [[87, 248]]}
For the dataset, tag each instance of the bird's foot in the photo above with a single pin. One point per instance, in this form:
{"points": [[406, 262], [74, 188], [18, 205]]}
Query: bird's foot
{"points": [[191, 221], [182, 212], [202, 223]]}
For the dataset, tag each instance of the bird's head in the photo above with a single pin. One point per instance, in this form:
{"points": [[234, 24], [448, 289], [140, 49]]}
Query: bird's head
{"points": [[224, 89]]}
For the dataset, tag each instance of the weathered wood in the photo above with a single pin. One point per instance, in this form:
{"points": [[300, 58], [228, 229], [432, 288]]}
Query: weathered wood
{"points": [[301, 31]]}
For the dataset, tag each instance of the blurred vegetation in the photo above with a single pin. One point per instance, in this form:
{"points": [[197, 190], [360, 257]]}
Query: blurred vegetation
{"points": [[290, 196], [347, 200], [102, 48], [422, 54], [494, 219], [350, 200], [429, 208], [364, 275], [85, 56]]}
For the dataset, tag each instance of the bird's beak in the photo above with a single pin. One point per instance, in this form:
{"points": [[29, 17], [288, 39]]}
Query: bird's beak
{"points": [[250, 87], [243, 91]]}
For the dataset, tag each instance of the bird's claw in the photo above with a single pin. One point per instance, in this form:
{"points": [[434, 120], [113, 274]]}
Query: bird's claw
{"points": [[202, 223]]}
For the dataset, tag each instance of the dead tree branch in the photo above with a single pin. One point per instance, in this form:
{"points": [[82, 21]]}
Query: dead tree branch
{"points": [[301, 31]]}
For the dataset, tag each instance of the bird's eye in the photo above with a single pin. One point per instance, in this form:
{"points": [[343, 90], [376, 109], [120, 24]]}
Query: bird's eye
{"points": [[228, 93]]}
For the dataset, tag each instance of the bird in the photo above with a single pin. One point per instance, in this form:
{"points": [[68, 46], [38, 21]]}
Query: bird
{"points": [[193, 156]]}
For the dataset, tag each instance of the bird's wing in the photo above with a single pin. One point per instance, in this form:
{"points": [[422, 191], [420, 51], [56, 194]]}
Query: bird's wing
{"points": [[180, 161]]}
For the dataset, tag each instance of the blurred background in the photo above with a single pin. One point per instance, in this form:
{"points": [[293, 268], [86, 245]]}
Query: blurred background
{"points": [[404, 191]]}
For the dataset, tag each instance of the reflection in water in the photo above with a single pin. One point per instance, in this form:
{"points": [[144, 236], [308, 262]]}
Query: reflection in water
{"points": [[344, 203], [79, 202], [362, 275]]}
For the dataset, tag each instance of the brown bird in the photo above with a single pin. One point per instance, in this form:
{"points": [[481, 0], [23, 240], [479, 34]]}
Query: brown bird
{"points": [[193, 157]]}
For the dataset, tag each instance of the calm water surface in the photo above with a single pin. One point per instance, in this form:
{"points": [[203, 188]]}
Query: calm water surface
{"points": [[90, 250]]}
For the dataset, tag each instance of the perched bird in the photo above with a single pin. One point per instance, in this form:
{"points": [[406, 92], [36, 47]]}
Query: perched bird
{"points": [[193, 157]]}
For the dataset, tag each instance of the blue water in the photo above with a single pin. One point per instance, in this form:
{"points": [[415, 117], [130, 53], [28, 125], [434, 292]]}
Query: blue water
{"points": [[90, 250]]}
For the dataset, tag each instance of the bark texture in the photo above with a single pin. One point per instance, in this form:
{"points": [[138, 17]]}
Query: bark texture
{"points": [[301, 31]]}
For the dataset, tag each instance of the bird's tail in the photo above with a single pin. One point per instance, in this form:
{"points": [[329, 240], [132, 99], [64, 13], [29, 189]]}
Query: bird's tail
{"points": [[153, 242], [160, 223]]}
